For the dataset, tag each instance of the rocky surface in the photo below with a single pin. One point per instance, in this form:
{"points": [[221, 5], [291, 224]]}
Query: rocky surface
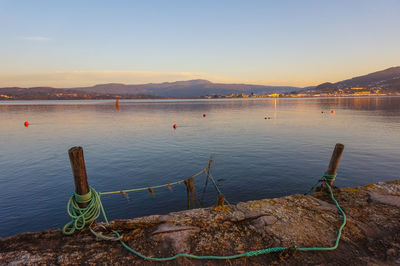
{"points": [[370, 237]]}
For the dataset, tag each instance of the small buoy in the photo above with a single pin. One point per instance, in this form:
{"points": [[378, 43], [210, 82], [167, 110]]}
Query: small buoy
{"points": [[174, 126], [204, 115], [332, 111], [26, 124]]}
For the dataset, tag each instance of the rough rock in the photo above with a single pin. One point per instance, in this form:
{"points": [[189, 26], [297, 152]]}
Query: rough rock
{"points": [[370, 237]]}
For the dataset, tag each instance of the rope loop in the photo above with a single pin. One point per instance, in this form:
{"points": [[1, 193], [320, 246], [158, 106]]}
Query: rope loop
{"points": [[328, 178], [82, 216]]}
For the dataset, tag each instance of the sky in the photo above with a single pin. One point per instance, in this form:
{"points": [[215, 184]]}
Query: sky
{"points": [[296, 43]]}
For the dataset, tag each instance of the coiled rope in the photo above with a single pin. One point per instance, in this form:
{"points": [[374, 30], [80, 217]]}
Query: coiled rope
{"points": [[83, 216]]}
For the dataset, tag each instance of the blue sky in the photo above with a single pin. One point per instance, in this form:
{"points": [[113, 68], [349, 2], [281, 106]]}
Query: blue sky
{"points": [[76, 43]]}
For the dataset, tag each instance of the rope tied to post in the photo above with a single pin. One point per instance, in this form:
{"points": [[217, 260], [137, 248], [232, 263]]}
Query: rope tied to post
{"points": [[87, 215], [328, 178], [82, 216]]}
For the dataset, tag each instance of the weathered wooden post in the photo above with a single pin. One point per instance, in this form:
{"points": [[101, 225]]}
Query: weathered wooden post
{"points": [[335, 159], [208, 173], [209, 165], [79, 171], [221, 200]]}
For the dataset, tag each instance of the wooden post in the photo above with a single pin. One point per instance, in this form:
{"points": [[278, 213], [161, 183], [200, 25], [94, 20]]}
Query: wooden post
{"points": [[209, 165], [208, 173], [221, 200], [79, 171], [335, 159]]}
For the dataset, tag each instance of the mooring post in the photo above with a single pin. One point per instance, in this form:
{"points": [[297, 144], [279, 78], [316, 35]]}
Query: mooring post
{"points": [[335, 159], [79, 171], [220, 200], [209, 166]]}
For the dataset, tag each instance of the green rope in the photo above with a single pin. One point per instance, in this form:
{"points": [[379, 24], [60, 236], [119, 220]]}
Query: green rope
{"points": [[236, 256], [325, 178], [82, 216], [328, 178]]}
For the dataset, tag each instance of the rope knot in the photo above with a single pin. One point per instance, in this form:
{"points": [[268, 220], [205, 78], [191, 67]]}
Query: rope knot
{"points": [[328, 178], [83, 198], [83, 216]]}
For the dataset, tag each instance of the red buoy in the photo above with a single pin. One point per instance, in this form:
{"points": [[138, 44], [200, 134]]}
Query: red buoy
{"points": [[204, 115], [332, 111], [26, 124], [174, 126]]}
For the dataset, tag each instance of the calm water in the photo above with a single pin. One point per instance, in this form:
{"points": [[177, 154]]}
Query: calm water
{"points": [[136, 146]]}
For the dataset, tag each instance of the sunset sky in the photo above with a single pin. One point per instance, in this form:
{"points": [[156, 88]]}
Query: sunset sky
{"points": [[298, 43]]}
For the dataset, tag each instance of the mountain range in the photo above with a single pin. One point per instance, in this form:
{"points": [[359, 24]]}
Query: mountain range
{"points": [[386, 81], [178, 89]]}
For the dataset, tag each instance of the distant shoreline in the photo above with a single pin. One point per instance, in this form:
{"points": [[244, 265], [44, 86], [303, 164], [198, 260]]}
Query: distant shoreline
{"points": [[202, 98]]}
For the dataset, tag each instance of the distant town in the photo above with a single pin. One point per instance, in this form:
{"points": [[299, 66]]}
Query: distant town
{"points": [[89, 96], [78, 95], [348, 92]]}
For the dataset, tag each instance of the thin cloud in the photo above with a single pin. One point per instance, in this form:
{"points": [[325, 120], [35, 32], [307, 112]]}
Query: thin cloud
{"points": [[35, 38]]}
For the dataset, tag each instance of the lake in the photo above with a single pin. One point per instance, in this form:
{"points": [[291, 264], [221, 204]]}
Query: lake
{"points": [[136, 146]]}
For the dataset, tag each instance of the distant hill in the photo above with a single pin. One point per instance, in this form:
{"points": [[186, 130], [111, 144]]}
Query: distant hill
{"points": [[190, 88], [178, 89], [387, 81]]}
